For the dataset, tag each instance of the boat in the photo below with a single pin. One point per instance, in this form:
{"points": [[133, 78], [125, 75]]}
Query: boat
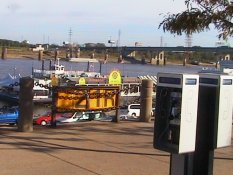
{"points": [[91, 60], [130, 86], [59, 71], [10, 92], [9, 80]]}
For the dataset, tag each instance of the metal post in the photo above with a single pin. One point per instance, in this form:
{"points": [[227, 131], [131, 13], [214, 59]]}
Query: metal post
{"points": [[181, 164], [42, 66], [53, 117], [117, 117], [25, 122], [146, 100], [204, 152], [100, 68], [50, 64], [88, 66]]}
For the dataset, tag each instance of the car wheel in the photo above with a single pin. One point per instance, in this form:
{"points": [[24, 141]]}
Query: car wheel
{"points": [[43, 123], [133, 115]]}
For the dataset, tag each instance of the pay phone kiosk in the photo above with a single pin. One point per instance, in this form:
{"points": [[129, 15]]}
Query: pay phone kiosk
{"points": [[214, 119], [176, 112], [215, 109]]}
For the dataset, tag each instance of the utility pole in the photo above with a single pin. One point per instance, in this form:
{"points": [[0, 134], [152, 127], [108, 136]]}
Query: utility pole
{"points": [[119, 42], [119, 38], [161, 41]]}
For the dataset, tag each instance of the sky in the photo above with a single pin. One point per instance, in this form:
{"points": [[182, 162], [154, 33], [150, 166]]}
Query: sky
{"points": [[95, 21]]}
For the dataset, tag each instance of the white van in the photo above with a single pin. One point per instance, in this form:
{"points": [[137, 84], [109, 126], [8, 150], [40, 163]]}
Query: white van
{"points": [[134, 110]]}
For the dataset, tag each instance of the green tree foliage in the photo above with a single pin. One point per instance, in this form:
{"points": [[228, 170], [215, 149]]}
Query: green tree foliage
{"points": [[10, 43], [198, 17]]}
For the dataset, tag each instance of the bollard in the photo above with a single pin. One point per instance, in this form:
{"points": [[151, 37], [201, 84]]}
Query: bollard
{"points": [[106, 56], [71, 52], [120, 59], [67, 54], [40, 55], [4, 53], [217, 65], [143, 61], [157, 61], [56, 55], [146, 100], [184, 61], [93, 55], [77, 53], [164, 61], [25, 122]]}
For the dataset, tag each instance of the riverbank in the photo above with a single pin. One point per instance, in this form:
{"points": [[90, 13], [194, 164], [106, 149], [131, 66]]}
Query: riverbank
{"points": [[25, 53]]}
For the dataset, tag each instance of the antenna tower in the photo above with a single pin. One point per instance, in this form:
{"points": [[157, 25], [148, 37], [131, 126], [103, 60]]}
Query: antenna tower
{"points": [[70, 35]]}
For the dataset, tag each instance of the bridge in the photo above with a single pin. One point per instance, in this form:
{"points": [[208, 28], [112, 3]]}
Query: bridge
{"points": [[223, 49], [158, 53]]}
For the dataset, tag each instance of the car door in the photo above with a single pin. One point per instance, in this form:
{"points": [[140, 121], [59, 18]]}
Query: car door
{"points": [[1, 117], [11, 116]]}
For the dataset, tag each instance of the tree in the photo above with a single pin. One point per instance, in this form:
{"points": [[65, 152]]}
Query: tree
{"points": [[199, 16]]}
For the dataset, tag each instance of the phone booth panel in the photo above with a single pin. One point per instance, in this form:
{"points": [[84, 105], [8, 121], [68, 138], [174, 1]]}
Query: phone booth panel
{"points": [[176, 112], [218, 90], [225, 112]]}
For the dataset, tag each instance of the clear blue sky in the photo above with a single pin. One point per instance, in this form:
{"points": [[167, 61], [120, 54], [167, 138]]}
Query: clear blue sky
{"points": [[96, 21]]}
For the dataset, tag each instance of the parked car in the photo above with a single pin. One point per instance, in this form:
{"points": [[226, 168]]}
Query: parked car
{"points": [[43, 120], [71, 119], [134, 110], [9, 115], [82, 116], [47, 117]]}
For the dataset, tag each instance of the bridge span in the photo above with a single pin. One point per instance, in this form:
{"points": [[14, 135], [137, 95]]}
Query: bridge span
{"points": [[223, 49]]}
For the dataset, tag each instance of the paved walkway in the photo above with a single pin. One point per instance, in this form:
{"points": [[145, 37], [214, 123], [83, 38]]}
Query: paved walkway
{"points": [[90, 148]]}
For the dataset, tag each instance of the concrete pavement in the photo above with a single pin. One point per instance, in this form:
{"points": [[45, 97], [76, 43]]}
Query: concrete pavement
{"points": [[90, 148]]}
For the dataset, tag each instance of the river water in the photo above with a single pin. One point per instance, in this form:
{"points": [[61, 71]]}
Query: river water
{"points": [[24, 67]]}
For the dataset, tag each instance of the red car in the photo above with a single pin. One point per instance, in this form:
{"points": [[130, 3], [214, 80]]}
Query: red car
{"points": [[46, 119]]}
